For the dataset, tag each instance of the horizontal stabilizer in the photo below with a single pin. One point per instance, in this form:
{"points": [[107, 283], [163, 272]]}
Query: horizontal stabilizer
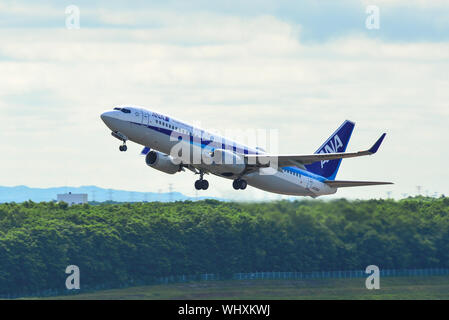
{"points": [[342, 184]]}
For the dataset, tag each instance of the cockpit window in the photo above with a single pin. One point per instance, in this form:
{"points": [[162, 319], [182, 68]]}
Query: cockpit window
{"points": [[123, 110]]}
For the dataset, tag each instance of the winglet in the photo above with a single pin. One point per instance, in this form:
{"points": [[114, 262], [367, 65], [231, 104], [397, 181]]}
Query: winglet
{"points": [[376, 146], [145, 151]]}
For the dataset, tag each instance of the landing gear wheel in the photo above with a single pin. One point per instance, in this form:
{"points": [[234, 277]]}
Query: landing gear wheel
{"points": [[239, 184], [123, 148], [201, 184]]}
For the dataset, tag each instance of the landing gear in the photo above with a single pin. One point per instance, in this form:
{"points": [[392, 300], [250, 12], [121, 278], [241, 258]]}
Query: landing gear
{"points": [[122, 138], [239, 184], [201, 184]]}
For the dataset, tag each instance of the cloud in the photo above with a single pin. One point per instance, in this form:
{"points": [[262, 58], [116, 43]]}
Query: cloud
{"points": [[406, 21], [227, 71]]}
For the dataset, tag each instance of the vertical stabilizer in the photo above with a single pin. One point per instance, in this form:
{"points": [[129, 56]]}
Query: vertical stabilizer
{"points": [[337, 142]]}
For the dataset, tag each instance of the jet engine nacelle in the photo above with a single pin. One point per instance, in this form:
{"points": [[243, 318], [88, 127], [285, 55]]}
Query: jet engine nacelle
{"points": [[161, 162], [227, 163]]}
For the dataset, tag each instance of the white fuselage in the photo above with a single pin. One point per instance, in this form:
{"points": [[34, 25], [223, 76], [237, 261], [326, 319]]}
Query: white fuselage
{"points": [[154, 130]]}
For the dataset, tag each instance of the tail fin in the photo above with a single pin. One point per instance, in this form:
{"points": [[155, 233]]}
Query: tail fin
{"points": [[337, 142]]}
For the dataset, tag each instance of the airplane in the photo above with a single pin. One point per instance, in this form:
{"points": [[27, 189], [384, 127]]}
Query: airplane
{"points": [[293, 174]]}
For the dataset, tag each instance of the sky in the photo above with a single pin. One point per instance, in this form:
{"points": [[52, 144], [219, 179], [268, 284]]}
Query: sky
{"points": [[299, 67]]}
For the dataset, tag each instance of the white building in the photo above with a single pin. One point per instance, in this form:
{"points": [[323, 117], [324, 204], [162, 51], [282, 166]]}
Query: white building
{"points": [[72, 198]]}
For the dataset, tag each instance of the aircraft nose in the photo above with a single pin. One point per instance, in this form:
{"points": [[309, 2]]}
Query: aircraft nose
{"points": [[106, 116]]}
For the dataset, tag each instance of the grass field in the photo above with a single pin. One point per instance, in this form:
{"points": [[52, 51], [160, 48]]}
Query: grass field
{"points": [[390, 288]]}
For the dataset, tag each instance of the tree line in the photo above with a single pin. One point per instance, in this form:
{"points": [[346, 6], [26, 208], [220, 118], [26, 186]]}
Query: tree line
{"points": [[119, 243]]}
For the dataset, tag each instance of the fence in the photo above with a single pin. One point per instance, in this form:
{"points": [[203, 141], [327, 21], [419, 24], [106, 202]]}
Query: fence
{"points": [[339, 274], [274, 275]]}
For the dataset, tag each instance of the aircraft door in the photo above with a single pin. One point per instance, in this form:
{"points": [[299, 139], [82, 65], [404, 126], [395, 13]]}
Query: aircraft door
{"points": [[308, 182], [145, 118]]}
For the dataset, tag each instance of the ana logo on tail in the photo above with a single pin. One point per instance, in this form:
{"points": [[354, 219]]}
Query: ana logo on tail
{"points": [[331, 147]]}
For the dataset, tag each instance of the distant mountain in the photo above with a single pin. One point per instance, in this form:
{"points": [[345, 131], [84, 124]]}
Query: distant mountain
{"points": [[24, 193]]}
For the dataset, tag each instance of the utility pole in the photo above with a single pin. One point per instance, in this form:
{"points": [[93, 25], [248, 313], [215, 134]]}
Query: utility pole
{"points": [[419, 190], [170, 190]]}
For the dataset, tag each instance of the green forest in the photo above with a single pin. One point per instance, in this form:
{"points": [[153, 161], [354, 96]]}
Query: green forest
{"points": [[119, 243]]}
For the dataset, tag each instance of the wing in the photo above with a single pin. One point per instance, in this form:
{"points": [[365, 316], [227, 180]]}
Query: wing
{"points": [[264, 160], [343, 184]]}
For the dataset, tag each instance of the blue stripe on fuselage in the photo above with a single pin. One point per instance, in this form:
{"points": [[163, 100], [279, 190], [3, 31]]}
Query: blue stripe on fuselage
{"points": [[305, 173]]}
